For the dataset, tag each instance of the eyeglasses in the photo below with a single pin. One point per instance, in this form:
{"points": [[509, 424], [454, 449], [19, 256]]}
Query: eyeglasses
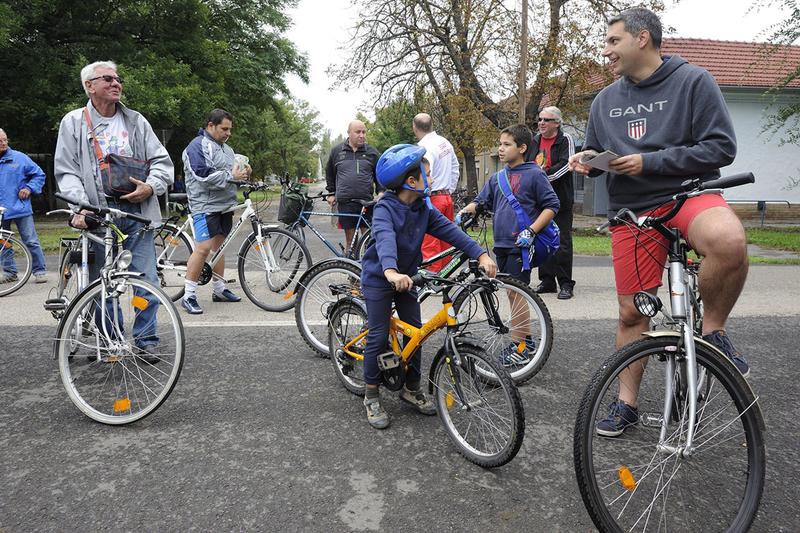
{"points": [[108, 78], [546, 119]]}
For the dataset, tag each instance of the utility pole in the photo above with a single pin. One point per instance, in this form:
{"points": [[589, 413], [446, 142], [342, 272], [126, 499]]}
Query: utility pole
{"points": [[523, 62]]}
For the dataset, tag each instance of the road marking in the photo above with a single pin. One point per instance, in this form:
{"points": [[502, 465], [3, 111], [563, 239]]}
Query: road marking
{"points": [[276, 323]]}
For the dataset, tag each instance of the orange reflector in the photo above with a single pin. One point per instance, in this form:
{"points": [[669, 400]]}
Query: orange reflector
{"points": [[172, 241], [123, 404], [626, 478], [257, 247], [288, 295], [5, 244], [140, 303], [521, 347], [449, 401]]}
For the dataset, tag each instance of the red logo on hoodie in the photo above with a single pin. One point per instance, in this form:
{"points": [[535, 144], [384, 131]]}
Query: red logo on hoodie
{"points": [[637, 128]]}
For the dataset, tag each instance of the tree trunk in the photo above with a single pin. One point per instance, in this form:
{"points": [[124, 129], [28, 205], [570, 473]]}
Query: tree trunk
{"points": [[469, 165]]}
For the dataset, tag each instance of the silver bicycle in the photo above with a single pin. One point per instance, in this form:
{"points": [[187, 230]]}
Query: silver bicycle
{"points": [[16, 261]]}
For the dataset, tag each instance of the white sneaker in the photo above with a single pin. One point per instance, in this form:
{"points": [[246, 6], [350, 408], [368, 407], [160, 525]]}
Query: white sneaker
{"points": [[40, 277]]}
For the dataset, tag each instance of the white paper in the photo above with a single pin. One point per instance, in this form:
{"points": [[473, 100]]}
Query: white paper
{"points": [[600, 161]]}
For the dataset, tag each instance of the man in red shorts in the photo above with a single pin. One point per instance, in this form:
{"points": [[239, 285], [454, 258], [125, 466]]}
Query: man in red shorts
{"points": [[668, 122]]}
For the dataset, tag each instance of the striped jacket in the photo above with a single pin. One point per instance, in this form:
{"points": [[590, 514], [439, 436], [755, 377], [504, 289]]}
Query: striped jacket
{"points": [[558, 173], [208, 167]]}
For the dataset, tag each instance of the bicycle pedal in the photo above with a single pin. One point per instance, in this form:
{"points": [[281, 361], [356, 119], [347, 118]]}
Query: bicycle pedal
{"points": [[55, 304], [388, 361]]}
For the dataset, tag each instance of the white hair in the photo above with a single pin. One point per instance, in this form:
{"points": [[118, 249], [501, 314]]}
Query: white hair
{"points": [[88, 72], [553, 110]]}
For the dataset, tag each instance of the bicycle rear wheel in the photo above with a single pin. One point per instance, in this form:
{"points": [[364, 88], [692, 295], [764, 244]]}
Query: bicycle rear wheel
{"points": [[633, 483], [346, 321], [120, 361], [315, 298], [512, 324], [173, 249], [269, 272], [484, 420], [16, 263], [362, 244]]}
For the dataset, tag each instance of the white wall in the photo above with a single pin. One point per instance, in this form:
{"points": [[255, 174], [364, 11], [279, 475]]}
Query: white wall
{"points": [[759, 153]]}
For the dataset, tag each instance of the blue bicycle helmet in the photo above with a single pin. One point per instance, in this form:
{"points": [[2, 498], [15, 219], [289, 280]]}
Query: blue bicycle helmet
{"points": [[395, 164], [545, 244]]}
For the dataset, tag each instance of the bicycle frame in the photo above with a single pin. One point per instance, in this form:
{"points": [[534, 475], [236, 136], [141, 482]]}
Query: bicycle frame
{"points": [[304, 220]]}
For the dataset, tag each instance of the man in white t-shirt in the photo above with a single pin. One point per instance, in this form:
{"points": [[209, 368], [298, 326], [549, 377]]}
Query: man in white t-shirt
{"points": [[443, 179]]}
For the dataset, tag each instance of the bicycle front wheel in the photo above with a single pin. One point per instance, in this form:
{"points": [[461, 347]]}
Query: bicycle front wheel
{"points": [[633, 482], [173, 249], [315, 297], [16, 263], [512, 324], [362, 244], [269, 270], [485, 420], [119, 361]]}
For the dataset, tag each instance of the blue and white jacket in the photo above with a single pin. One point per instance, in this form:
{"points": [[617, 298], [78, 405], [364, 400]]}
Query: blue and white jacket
{"points": [[17, 172], [208, 168]]}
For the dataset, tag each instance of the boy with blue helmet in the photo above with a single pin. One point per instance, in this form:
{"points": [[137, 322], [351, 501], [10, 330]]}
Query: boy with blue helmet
{"points": [[400, 220], [519, 246]]}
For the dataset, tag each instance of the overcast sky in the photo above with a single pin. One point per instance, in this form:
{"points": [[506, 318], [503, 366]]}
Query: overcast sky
{"points": [[321, 30]]}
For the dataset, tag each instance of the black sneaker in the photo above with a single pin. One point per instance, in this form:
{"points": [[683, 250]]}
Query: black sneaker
{"points": [[721, 340], [8, 278], [545, 287], [565, 293], [226, 295], [620, 416], [191, 305]]}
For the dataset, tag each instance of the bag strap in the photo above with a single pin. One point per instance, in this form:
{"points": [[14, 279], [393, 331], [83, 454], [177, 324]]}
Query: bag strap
{"points": [[523, 220], [98, 153]]}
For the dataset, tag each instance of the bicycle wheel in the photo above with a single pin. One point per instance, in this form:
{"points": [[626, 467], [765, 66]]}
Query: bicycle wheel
{"points": [[632, 483], [269, 272], [121, 360], [348, 320], [16, 263], [484, 420], [362, 244], [315, 298], [173, 248], [502, 320]]}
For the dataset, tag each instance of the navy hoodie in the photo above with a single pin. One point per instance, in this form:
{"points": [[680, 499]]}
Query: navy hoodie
{"points": [[532, 190], [676, 118], [398, 229]]}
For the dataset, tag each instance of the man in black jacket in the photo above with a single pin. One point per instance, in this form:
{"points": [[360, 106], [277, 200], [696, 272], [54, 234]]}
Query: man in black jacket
{"points": [[551, 150], [350, 173]]}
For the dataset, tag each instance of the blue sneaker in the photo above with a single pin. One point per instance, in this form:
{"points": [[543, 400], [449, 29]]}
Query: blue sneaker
{"points": [[225, 296], [721, 340], [620, 416], [511, 355], [191, 305]]}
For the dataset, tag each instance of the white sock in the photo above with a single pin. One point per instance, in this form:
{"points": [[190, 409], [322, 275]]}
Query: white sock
{"points": [[219, 286], [191, 288]]}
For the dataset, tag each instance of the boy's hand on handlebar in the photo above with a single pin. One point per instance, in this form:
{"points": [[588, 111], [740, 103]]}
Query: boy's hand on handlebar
{"points": [[401, 282], [488, 265]]}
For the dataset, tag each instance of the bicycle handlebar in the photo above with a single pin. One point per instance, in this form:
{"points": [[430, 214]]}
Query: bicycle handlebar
{"points": [[102, 210]]}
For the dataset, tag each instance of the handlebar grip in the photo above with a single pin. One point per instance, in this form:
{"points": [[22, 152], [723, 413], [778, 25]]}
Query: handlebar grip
{"points": [[138, 218], [239, 183], [67, 199], [418, 279], [729, 181]]}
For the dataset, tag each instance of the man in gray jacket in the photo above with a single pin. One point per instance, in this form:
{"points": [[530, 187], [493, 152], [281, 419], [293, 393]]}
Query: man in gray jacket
{"points": [[122, 131], [208, 165]]}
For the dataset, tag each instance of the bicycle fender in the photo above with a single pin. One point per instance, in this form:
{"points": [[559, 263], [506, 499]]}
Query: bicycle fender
{"points": [[302, 280], [705, 344], [348, 300], [461, 340]]}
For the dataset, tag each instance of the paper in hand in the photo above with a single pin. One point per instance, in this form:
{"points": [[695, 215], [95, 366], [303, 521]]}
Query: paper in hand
{"points": [[600, 161]]}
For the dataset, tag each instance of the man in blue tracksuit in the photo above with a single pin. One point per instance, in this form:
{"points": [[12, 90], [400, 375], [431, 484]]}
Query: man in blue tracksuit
{"points": [[19, 178], [400, 221]]}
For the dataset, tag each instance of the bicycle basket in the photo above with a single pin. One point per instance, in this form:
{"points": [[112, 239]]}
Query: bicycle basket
{"points": [[293, 201]]}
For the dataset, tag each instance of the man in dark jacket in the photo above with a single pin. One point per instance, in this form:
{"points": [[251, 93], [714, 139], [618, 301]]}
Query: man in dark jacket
{"points": [[350, 174], [551, 150]]}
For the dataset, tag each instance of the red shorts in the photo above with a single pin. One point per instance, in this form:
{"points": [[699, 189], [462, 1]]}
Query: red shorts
{"points": [[639, 256]]}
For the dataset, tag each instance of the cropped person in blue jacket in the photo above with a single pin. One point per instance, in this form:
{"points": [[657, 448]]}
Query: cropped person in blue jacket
{"points": [[532, 189], [400, 221], [19, 178]]}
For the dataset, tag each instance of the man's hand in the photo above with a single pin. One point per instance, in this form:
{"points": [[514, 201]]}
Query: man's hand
{"points": [[401, 282], [332, 200], [575, 162], [79, 220], [240, 173], [632, 165], [24, 193], [470, 208], [143, 192], [488, 265]]}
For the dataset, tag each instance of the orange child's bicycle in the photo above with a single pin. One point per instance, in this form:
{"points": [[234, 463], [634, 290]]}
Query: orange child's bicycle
{"points": [[475, 398]]}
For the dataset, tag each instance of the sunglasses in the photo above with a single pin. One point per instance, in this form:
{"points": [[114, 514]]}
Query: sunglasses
{"points": [[107, 78], [546, 119]]}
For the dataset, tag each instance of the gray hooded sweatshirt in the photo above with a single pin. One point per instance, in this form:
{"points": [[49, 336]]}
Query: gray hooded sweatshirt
{"points": [[676, 118]]}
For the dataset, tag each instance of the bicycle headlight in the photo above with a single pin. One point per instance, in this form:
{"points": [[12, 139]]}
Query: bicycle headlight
{"points": [[647, 304], [124, 259]]}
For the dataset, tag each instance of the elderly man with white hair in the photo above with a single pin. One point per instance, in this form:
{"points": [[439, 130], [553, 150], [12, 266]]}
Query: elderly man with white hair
{"points": [[551, 150]]}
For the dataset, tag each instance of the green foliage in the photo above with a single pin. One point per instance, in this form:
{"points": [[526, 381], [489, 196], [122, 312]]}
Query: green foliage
{"points": [[179, 60], [775, 238], [393, 125]]}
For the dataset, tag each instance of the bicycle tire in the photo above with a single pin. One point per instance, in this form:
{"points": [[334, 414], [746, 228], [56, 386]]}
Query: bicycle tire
{"points": [[173, 249], [68, 278], [105, 375], [13, 248], [314, 301], [660, 494], [362, 244], [276, 292], [472, 304], [347, 320], [504, 418]]}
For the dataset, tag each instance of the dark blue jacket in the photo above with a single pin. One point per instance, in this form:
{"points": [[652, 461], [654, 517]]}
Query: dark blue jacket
{"points": [[398, 229], [18, 171], [532, 190]]}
